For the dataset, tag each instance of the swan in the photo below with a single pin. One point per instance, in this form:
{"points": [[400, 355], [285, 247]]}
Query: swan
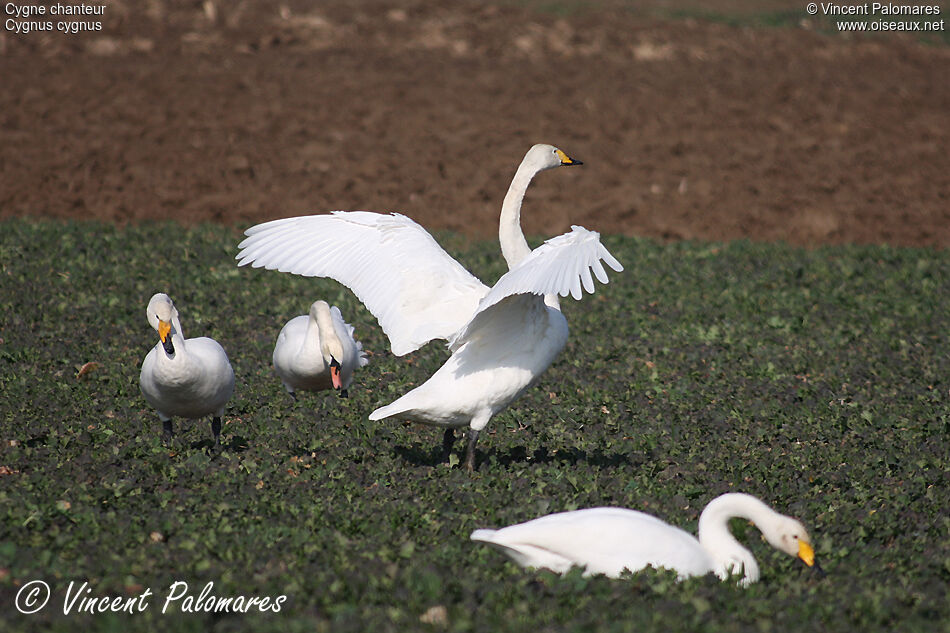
{"points": [[610, 540], [501, 338], [187, 378], [317, 351]]}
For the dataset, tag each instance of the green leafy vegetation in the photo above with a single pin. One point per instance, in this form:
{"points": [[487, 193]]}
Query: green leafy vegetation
{"points": [[814, 379]]}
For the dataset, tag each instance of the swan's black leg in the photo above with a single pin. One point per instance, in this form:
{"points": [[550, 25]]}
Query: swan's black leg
{"points": [[293, 395], [447, 441], [216, 431], [167, 430], [470, 453]]}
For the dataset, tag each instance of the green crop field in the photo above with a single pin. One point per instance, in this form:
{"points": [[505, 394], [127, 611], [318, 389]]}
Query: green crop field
{"points": [[814, 379]]}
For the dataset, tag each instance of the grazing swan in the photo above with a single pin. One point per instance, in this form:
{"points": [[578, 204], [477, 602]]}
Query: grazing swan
{"points": [[186, 378], [611, 540], [317, 351], [501, 338]]}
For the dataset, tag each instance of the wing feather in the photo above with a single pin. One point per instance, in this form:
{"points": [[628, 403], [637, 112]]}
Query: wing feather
{"points": [[604, 540], [560, 266], [413, 287], [588, 280]]}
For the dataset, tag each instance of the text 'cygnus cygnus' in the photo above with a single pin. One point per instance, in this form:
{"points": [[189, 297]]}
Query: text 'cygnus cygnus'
{"points": [[610, 540], [186, 378], [502, 338]]}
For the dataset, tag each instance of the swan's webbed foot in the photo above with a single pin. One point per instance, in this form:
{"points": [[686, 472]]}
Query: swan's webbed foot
{"points": [[448, 440], [470, 452], [216, 431]]}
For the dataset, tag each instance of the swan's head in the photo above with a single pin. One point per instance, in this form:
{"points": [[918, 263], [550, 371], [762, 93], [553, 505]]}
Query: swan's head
{"points": [[330, 344], [543, 156], [162, 316], [790, 536]]}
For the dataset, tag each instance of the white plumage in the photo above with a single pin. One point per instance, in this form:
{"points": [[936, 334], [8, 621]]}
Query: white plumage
{"points": [[611, 540], [502, 338], [415, 290], [184, 378], [317, 351]]}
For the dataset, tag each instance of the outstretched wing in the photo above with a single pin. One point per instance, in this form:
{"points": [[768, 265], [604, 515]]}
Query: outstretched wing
{"points": [[560, 266], [415, 290]]}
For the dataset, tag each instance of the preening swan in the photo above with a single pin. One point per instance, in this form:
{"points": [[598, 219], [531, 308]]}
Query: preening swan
{"points": [[186, 378], [317, 351], [611, 540], [502, 338]]}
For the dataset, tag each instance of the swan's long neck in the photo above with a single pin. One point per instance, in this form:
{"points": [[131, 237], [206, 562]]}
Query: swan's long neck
{"points": [[330, 344], [312, 338], [176, 324], [514, 246], [714, 535], [178, 337]]}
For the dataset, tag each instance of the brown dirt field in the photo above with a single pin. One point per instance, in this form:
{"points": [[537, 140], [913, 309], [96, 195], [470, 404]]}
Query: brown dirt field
{"points": [[243, 111]]}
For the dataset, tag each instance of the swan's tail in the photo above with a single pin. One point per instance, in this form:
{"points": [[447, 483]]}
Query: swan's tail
{"points": [[360, 354], [385, 412], [484, 535]]}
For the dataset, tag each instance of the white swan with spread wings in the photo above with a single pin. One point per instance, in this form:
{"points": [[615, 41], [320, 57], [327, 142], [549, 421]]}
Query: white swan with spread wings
{"points": [[502, 338]]}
